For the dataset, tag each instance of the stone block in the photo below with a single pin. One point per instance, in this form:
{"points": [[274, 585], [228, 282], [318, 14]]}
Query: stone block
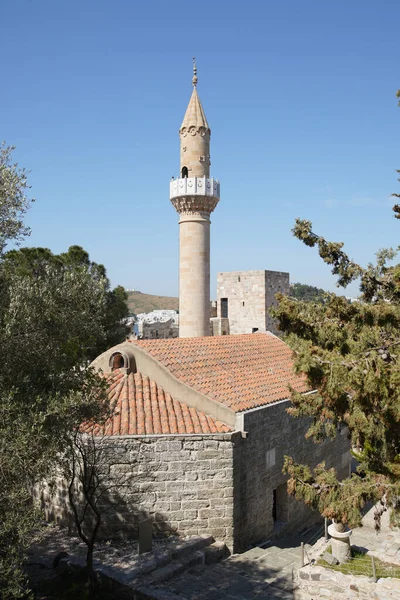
{"points": [[195, 504], [220, 522], [145, 535], [158, 486], [208, 494], [191, 514], [176, 515], [196, 485], [211, 444], [330, 559], [209, 454], [173, 486], [176, 466], [304, 575]]}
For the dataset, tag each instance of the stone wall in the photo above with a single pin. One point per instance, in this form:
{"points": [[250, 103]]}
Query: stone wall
{"points": [[222, 485], [275, 282], [250, 294], [245, 291], [184, 482], [219, 326], [158, 329], [272, 434]]}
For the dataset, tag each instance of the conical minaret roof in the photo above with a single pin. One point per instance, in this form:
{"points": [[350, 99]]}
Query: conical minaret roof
{"points": [[194, 115]]}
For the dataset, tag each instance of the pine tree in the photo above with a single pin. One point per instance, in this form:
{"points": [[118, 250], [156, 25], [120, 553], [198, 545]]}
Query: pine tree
{"points": [[350, 354]]}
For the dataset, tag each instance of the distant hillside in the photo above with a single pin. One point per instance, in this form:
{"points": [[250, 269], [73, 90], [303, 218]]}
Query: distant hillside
{"points": [[144, 303]]}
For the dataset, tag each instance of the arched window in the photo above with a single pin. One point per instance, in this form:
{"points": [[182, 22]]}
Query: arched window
{"points": [[118, 362], [185, 172]]}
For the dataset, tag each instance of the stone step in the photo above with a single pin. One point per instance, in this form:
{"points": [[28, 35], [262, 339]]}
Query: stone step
{"points": [[182, 547], [215, 552], [175, 567], [150, 593]]}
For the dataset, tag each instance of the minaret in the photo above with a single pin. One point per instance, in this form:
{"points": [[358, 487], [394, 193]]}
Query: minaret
{"points": [[194, 196]]}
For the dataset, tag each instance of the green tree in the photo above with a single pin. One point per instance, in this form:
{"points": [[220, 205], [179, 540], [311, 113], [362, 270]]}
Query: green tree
{"points": [[49, 324], [309, 293], [350, 356], [37, 262], [52, 319], [14, 201]]}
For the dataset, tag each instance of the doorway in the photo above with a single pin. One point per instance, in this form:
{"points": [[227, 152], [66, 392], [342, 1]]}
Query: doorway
{"points": [[280, 504]]}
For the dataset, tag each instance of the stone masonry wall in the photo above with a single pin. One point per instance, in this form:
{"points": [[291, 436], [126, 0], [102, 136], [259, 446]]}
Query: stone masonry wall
{"points": [[184, 482], [245, 291], [158, 329], [250, 295], [275, 281], [272, 434]]}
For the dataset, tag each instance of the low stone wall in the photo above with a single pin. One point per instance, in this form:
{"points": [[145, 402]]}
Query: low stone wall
{"points": [[185, 483], [314, 582]]}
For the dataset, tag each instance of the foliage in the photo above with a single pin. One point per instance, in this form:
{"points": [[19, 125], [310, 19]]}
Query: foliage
{"points": [[308, 293], [48, 325], [14, 201], [54, 311], [38, 263], [350, 356], [396, 207]]}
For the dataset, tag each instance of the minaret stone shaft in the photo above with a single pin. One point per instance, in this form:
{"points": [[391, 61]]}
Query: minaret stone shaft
{"points": [[194, 196]]}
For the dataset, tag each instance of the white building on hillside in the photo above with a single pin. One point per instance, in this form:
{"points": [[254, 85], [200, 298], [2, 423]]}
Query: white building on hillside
{"points": [[157, 324]]}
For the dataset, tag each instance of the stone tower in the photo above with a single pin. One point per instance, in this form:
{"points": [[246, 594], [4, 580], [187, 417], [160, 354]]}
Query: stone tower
{"points": [[194, 196]]}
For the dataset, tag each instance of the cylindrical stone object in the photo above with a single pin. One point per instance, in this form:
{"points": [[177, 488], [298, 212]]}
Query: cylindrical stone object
{"points": [[340, 540]]}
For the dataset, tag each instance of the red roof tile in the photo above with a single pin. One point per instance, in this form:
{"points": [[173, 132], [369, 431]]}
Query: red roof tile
{"points": [[240, 371], [142, 408]]}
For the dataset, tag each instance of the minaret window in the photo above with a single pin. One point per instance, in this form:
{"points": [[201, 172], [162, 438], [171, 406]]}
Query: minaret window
{"points": [[185, 172]]}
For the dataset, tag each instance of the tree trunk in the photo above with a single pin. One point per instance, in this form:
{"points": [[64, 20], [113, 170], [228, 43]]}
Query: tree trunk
{"points": [[91, 572]]}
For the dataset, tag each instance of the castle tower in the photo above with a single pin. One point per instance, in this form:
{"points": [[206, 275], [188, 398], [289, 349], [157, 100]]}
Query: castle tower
{"points": [[194, 196]]}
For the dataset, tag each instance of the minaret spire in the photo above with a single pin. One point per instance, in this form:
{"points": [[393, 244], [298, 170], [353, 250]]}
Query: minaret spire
{"points": [[194, 196], [195, 78]]}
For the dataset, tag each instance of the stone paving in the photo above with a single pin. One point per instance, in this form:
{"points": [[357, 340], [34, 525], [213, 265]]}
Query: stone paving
{"points": [[267, 572], [262, 573], [384, 545]]}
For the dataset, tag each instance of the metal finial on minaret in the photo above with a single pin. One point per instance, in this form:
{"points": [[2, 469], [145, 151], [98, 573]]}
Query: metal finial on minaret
{"points": [[194, 80]]}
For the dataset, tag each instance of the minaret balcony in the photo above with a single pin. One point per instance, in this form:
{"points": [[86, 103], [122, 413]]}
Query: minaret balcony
{"points": [[194, 186]]}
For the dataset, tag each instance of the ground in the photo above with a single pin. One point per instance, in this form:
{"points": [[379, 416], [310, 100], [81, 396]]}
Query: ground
{"points": [[260, 573]]}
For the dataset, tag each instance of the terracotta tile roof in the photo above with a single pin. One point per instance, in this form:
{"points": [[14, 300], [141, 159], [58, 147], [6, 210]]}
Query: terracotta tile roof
{"points": [[142, 408], [240, 371]]}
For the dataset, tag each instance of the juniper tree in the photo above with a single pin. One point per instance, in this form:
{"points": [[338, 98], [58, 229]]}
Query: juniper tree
{"points": [[349, 353]]}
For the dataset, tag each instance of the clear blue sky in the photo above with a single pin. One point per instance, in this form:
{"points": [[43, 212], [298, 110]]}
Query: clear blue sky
{"points": [[300, 97]]}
